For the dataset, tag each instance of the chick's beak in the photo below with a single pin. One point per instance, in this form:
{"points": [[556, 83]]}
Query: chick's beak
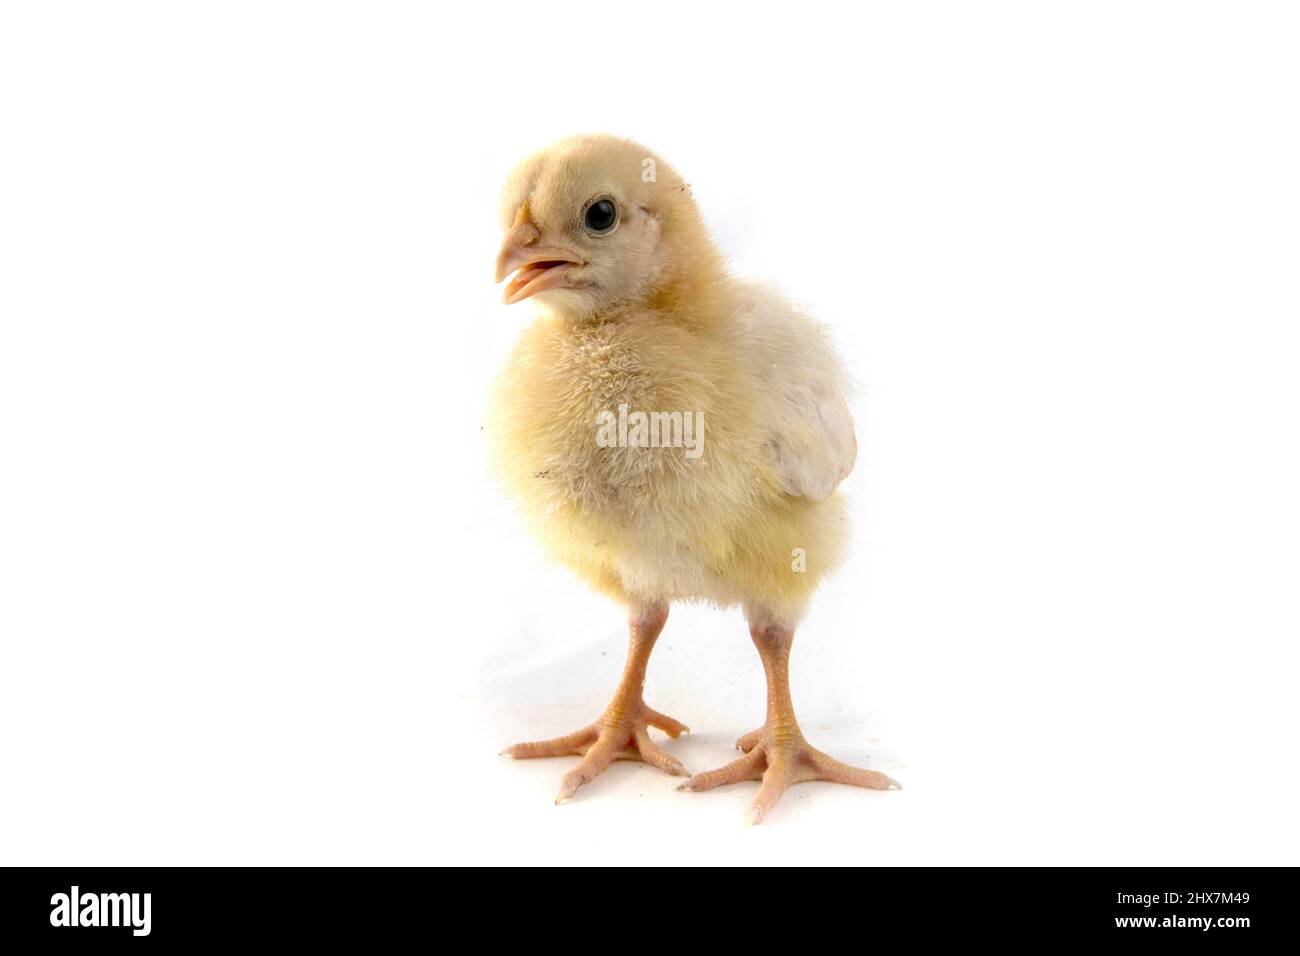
{"points": [[536, 267]]}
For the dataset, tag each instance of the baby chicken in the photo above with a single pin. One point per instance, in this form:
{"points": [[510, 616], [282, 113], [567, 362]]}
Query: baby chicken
{"points": [[672, 434]]}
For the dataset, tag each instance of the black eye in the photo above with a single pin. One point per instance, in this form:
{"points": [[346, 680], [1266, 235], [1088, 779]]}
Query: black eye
{"points": [[601, 215]]}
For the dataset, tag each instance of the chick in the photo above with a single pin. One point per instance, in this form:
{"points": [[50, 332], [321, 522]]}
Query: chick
{"points": [[672, 433]]}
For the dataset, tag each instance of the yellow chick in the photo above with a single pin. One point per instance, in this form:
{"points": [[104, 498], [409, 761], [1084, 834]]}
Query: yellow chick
{"points": [[672, 434]]}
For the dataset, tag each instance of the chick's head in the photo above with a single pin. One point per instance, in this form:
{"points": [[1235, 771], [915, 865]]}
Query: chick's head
{"points": [[593, 223]]}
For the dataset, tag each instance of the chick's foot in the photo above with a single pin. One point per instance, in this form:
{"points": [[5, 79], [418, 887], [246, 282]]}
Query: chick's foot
{"points": [[622, 733], [780, 759]]}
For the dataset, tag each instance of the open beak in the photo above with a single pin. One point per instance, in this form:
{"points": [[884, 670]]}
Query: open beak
{"points": [[535, 268]]}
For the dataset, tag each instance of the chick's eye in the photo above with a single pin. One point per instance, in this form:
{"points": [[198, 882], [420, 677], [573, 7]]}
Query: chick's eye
{"points": [[601, 215]]}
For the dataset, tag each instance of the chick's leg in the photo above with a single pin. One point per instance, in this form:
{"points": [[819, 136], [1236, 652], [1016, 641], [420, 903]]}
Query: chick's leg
{"points": [[622, 732], [777, 753]]}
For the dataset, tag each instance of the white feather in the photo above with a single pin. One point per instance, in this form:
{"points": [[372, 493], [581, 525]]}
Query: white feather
{"points": [[809, 425]]}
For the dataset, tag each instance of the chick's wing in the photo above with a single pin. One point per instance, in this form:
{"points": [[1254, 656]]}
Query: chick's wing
{"points": [[805, 394]]}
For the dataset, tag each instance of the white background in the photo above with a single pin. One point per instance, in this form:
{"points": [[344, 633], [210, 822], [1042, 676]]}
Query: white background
{"points": [[259, 602]]}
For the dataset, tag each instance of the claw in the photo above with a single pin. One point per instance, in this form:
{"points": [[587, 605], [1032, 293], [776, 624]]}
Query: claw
{"points": [[568, 787]]}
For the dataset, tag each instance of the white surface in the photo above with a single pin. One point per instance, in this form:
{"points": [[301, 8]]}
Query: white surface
{"points": [[259, 604]]}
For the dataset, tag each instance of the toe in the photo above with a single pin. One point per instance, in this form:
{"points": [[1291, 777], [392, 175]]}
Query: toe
{"points": [[750, 740], [673, 728], [775, 780], [748, 767], [598, 757], [564, 746], [655, 756], [828, 768]]}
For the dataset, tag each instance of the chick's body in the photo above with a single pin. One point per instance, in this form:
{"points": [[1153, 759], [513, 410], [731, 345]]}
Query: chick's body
{"points": [[646, 524], [732, 500]]}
